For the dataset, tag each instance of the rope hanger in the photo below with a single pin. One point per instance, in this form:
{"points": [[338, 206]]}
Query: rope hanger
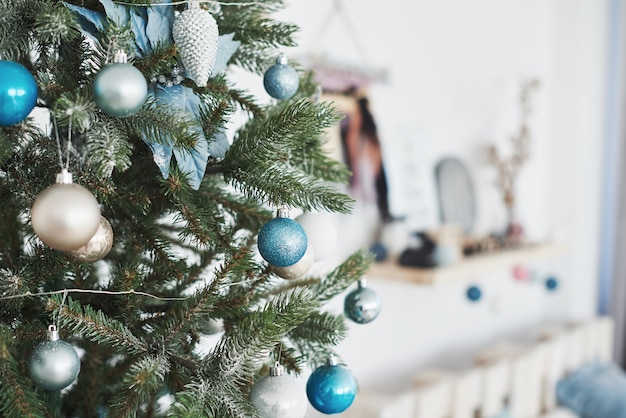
{"points": [[339, 13]]}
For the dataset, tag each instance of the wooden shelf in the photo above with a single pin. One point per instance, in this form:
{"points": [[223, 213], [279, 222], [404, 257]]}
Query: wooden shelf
{"points": [[467, 268]]}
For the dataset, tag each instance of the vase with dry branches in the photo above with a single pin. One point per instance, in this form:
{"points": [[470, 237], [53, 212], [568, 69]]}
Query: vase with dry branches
{"points": [[508, 168]]}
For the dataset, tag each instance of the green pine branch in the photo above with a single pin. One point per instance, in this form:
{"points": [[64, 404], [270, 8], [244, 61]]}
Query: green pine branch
{"points": [[142, 382], [95, 326]]}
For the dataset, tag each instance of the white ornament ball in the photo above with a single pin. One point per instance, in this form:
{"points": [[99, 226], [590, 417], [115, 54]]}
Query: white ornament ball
{"points": [[321, 232], [279, 395], [98, 246], [196, 36], [295, 271], [65, 216]]}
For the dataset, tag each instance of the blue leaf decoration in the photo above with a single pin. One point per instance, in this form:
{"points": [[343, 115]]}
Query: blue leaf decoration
{"points": [[116, 12], [91, 22], [138, 22], [159, 27], [219, 145], [192, 162], [226, 47]]}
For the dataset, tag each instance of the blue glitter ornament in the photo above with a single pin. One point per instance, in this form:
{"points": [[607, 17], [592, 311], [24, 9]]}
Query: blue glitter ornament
{"points": [[331, 388], [18, 93], [281, 80], [120, 89], [552, 284], [282, 241], [362, 305], [474, 293]]}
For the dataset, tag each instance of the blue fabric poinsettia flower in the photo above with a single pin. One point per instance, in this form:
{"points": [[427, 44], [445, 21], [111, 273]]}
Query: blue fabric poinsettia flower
{"points": [[153, 26]]}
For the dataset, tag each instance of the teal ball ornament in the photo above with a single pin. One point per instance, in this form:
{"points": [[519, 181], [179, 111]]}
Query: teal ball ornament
{"points": [[18, 93], [331, 388], [281, 81], [474, 294], [54, 364], [120, 89], [362, 305], [282, 242]]}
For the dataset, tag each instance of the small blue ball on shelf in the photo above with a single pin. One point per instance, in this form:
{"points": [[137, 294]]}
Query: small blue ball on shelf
{"points": [[552, 284], [331, 388], [474, 293], [380, 251], [281, 81], [282, 242], [18, 93]]}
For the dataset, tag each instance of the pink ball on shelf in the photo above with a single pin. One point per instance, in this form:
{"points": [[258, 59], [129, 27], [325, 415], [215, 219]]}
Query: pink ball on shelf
{"points": [[520, 273]]}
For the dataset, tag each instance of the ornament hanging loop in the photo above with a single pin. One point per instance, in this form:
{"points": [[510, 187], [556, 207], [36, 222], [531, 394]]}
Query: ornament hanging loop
{"points": [[53, 333]]}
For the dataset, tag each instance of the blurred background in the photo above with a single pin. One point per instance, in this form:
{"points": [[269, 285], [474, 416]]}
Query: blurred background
{"points": [[444, 80]]}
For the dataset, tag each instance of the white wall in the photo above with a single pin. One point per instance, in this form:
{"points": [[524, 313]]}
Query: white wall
{"points": [[455, 69]]}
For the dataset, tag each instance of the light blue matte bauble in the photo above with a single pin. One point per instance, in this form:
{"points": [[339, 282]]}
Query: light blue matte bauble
{"points": [[281, 80], [362, 305], [552, 284], [282, 242], [18, 93], [120, 90], [54, 364], [331, 389], [474, 293]]}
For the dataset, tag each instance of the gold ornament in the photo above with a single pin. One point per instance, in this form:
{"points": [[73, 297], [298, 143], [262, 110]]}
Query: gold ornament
{"points": [[98, 246], [299, 269]]}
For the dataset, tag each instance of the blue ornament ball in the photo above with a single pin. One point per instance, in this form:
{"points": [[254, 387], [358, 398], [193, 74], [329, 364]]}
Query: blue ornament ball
{"points": [[18, 93], [331, 389], [362, 305], [552, 284], [474, 293], [282, 242], [281, 81], [120, 90], [380, 251]]}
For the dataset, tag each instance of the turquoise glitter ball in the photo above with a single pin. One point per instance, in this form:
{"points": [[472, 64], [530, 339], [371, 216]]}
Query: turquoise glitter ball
{"points": [[331, 389], [281, 80], [282, 242]]}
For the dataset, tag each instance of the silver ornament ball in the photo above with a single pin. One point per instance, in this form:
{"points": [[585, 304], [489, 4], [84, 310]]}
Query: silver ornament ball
{"points": [[120, 90], [54, 364], [65, 216], [295, 271], [98, 246], [362, 305], [321, 232], [279, 395]]}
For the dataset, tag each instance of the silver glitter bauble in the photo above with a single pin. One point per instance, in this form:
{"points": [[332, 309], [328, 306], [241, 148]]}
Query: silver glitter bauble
{"points": [[279, 395], [65, 215], [98, 246], [295, 271], [362, 305], [195, 33], [281, 81], [120, 89], [54, 364]]}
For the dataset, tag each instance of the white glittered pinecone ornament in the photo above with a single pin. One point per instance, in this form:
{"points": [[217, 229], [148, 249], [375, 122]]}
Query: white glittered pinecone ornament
{"points": [[195, 34]]}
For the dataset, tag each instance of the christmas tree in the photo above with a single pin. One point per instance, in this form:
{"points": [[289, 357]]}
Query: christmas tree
{"points": [[133, 102]]}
